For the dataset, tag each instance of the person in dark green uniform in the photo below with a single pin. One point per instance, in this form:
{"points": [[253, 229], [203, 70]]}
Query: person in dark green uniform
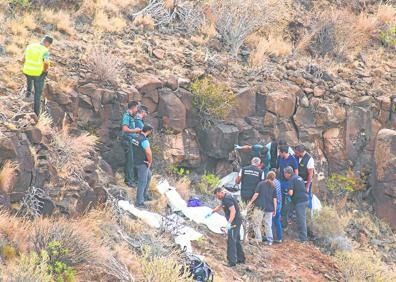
{"points": [[129, 132]]}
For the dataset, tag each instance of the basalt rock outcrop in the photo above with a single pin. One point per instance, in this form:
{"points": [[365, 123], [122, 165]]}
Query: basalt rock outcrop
{"points": [[337, 116]]}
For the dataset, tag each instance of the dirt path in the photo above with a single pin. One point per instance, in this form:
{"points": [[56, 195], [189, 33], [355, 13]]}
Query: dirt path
{"points": [[290, 261]]}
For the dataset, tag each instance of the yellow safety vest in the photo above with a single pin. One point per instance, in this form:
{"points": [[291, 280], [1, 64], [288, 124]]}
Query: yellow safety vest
{"points": [[34, 59]]}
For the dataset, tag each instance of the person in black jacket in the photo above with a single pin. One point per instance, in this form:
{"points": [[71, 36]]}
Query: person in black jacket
{"points": [[306, 168], [249, 177]]}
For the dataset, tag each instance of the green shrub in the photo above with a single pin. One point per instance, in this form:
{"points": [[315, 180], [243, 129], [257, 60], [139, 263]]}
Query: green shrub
{"points": [[388, 36], [19, 3], [8, 252], [57, 265], [340, 185], [179, 172], [212, 100], [208, 182]]}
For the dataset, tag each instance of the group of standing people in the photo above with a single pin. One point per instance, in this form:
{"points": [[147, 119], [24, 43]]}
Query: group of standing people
{"points": [[277, 181], [138, 154]]}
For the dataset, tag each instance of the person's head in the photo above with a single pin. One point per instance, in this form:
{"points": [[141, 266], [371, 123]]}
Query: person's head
{"points": [[299, 150], [133, 107], [142, 111], [271, 175], [256, 162], [147, 130], [288, 172], [284, 151], [47, 41], [219, 193], [282, 142]]}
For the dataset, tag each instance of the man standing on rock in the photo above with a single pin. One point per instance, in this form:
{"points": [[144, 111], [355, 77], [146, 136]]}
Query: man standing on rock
{"points": [[259, 151], [306, 167], [129, 132], [285, 159], [232, 212], [143, 159], [299, 196], [35, 67]]}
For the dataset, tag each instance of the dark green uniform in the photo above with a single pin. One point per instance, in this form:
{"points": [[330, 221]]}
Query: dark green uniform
{"points": [[129, 170]]}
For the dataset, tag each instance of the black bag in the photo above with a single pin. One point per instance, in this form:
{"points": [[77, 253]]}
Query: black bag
{"points": [[199, 270]]}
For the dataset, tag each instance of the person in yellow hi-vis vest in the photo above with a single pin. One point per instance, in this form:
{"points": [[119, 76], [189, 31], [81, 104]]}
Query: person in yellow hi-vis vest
{"points": [[35, 68]]}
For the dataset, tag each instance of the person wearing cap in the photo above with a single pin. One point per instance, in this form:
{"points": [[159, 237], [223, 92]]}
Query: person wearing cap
{"points": [[35, 67], [141, 114], [143, 159], [306, 167], [232, 213]]}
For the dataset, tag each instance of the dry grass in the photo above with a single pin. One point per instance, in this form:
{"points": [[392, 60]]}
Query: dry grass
{"points": [[105, 23], [386, 14], [61, 20], [14, 49], [7, 176], [71, 154], [271, 46], [183, 188], [104, 66], [44, 124], [363, 266], [328, 223], [145, 22]]}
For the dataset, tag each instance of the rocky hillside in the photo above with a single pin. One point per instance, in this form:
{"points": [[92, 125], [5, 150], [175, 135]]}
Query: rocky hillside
{"points": [[213, 74]]}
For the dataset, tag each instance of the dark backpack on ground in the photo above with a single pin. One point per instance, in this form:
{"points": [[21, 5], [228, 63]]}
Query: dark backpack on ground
{"points": [[199, 270]]}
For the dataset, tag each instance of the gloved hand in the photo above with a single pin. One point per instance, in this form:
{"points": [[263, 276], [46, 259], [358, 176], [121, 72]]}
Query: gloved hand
{"points": [[228, 226], [237, 147], [208, 215]]}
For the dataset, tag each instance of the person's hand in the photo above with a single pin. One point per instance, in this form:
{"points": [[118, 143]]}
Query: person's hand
{"points": [[208, 215], [237, 147], [228, 226], [273, 213], [138, 130], [148, 164]]}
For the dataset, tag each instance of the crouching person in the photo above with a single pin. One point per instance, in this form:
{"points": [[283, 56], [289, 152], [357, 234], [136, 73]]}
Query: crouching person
{"points": [[232, 212], [142, 158], [265, 199]]}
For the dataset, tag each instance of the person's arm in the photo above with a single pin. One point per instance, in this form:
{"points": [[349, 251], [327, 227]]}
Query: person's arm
{"points": [[232, 214], [295, 166], [309, 179], [252, 200], [126, 129], [239, 177], [275, 206], [46, 62], [149, 156], [245, 148], [217, 208]]}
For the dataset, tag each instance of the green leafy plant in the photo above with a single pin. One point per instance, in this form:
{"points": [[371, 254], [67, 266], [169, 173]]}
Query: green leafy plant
{"points": [[212, 100], [209, 181], [57, 266], [388, 36], [180, 172], [19, 3]]}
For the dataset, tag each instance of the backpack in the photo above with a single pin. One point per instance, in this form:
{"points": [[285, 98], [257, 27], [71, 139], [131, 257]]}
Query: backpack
{"points": [[199, 270], [274, 154]]}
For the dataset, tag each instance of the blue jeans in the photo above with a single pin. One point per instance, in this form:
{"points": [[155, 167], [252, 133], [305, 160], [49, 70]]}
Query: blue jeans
{"points": [[38, 83], [277, 223], [301, 209], [144, 178]]}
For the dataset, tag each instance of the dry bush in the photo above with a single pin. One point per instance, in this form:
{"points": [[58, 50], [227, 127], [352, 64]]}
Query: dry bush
{"points": [[157, 268], [386, 14], [343, 34], [104, 66], [14, 230], [328, 223], [106, 23], [237, 19], [274, 46], [133, 226], [14, 49], [7, 176], [144, 22], [71, 154], [60, 20], [28, 268], [363, 266], [183, 187], [44, 123]]}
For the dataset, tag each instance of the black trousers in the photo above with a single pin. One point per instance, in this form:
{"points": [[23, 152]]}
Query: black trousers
{"points": [[234, 247]]}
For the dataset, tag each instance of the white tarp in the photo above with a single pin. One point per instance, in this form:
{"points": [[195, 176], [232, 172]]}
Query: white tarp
{"points": [[228, 180], [183, 235]]}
